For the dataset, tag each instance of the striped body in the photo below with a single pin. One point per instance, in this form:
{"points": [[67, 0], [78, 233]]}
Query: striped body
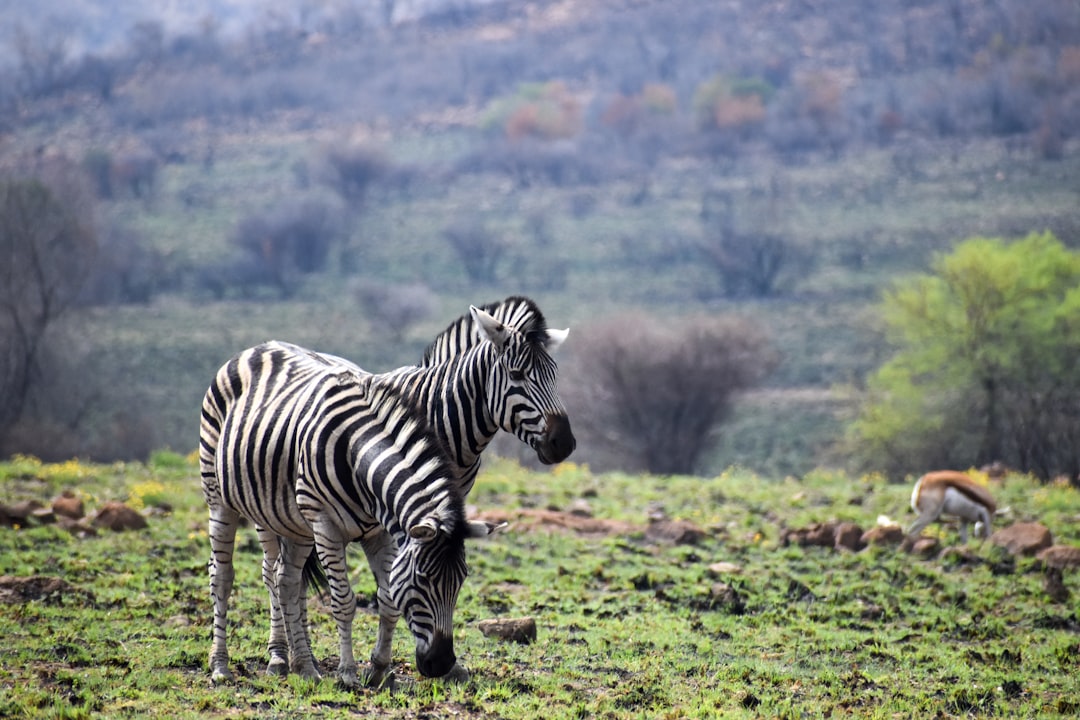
{"points": [[491, 370], [947, 492], [317, 455]]}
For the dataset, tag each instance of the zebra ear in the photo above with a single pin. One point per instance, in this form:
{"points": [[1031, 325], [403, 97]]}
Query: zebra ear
{"points": [[490, 328], [480, 529], [555, 338], [425, 530]]}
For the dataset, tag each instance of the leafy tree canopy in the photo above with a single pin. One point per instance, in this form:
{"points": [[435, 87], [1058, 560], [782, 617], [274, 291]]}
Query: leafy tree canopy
{"points": [[987, 365]]}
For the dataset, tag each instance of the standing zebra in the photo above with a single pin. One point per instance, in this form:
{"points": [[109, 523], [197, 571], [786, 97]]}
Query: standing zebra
{"points": [[491, 370], [316, 455]]}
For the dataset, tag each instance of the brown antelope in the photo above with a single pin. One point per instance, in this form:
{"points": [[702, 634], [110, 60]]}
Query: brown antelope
{"points": [[947, 492]]}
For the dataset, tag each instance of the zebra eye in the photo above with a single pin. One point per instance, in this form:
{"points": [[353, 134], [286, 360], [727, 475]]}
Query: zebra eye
{"points": [[517, 375]]}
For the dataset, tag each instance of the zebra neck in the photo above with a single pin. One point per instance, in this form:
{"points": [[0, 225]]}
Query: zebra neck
{"points": [[454, 397]]}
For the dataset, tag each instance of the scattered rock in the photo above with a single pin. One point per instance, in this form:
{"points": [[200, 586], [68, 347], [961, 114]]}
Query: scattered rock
{"points": [[1062, 557], [883, 535], [553, 519], [117, 516], [848, 536], [725, 597], [519, 630], [1023, 538], [677, 532], [1056, 560], [50, 590], [68, 505], [924, 546], [724, 568], [581, 508], [78, 528], [24, 512]]}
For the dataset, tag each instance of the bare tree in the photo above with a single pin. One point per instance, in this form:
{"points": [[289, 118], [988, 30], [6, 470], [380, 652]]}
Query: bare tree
{"points": [[479, 249], [394, 308], [652, 393], [46, 252]]}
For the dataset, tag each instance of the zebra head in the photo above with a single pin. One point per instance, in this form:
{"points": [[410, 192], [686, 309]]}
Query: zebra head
{"points": [[522, 392], [425, 579]]}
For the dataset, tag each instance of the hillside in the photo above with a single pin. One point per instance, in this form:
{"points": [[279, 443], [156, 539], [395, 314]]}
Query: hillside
{"points": [[594, 155]]}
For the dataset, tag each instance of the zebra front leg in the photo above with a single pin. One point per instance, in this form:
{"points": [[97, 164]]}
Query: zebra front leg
{"points": [[290, 567], [331, 548], [381, 550], [223, 525], [278, 645]]}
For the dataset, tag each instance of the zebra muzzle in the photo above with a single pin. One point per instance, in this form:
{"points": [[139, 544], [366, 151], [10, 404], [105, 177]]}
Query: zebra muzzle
{"points": [[438, 659], [558, 442]]}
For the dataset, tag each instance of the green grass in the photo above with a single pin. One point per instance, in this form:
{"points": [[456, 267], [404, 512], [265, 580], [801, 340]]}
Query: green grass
{"points": [[627, 627]]}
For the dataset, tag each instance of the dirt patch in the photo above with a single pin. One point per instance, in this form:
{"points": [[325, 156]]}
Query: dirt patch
{"points": [[535, 519], [47, 589]]}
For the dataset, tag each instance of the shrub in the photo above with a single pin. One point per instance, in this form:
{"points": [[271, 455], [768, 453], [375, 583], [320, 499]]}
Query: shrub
{"points": [[548, 111], [394, 308], [651, 393]]}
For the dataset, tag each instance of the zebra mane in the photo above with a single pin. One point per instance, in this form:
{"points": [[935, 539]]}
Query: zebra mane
{"points": [[392, 403], [516, 311]]}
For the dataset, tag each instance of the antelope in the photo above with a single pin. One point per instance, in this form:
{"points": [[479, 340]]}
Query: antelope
{"points": [[947, 492]]}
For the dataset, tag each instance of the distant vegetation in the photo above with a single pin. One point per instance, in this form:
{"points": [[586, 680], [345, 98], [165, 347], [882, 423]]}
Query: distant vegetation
{"points": [[777, 162]]}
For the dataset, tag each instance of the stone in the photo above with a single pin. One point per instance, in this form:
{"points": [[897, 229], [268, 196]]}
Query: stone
{"points": [[1023, 538], [118, 517]]}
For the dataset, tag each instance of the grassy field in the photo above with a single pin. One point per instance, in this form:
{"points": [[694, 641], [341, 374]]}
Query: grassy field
{"points": [[629, 625]]}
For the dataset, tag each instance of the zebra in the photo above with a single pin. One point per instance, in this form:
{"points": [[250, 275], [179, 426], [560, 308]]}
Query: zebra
{"points": [[490, 370], [315, 456]]}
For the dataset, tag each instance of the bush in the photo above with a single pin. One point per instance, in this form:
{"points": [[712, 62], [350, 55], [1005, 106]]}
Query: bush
{"points": [[350, 170], [295, 239], [651, 393], [393, 309]]}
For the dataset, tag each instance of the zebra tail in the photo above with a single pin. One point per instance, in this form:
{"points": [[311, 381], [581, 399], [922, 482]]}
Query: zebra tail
{"points": [[313, 574]]}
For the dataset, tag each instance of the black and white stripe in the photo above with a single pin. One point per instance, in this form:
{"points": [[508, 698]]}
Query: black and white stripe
{"points": [[491, 370], [317, 455]]}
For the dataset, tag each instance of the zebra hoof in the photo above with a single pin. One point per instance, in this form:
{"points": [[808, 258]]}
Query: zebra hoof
{"points": [[347, 677], [458, 674], [380, 678], [308, 672], [278, 667], [220, 676]]}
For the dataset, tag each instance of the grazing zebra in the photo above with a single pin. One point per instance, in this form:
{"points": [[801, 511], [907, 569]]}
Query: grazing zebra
{"points": [[316, 455], [492, 370]]}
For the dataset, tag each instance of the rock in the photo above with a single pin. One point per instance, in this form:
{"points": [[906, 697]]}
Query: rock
{"points": [[117, 516], [68, 505], [848, 536], [19, 513], [883, 535], [722, 595], [1023, 538], [581, 508], [724, 568], [924, 546], [49, 590], [1062, 557], [519, 630], [677, 532], [1056, 559], [1054, 584]]}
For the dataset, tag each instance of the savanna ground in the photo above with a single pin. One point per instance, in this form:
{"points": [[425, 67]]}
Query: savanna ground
{"points": [[629, 625]]}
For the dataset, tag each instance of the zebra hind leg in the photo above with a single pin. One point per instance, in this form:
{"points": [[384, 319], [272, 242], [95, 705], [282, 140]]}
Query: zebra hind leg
{"points": [[293, 606], [278, 645], [223, 525]]}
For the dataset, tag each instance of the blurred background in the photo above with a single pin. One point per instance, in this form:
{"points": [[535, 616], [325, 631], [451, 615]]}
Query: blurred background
{"points": [[715, 194]]}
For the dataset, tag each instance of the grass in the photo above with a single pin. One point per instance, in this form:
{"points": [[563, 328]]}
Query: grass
{"points": [[628, 627]]}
